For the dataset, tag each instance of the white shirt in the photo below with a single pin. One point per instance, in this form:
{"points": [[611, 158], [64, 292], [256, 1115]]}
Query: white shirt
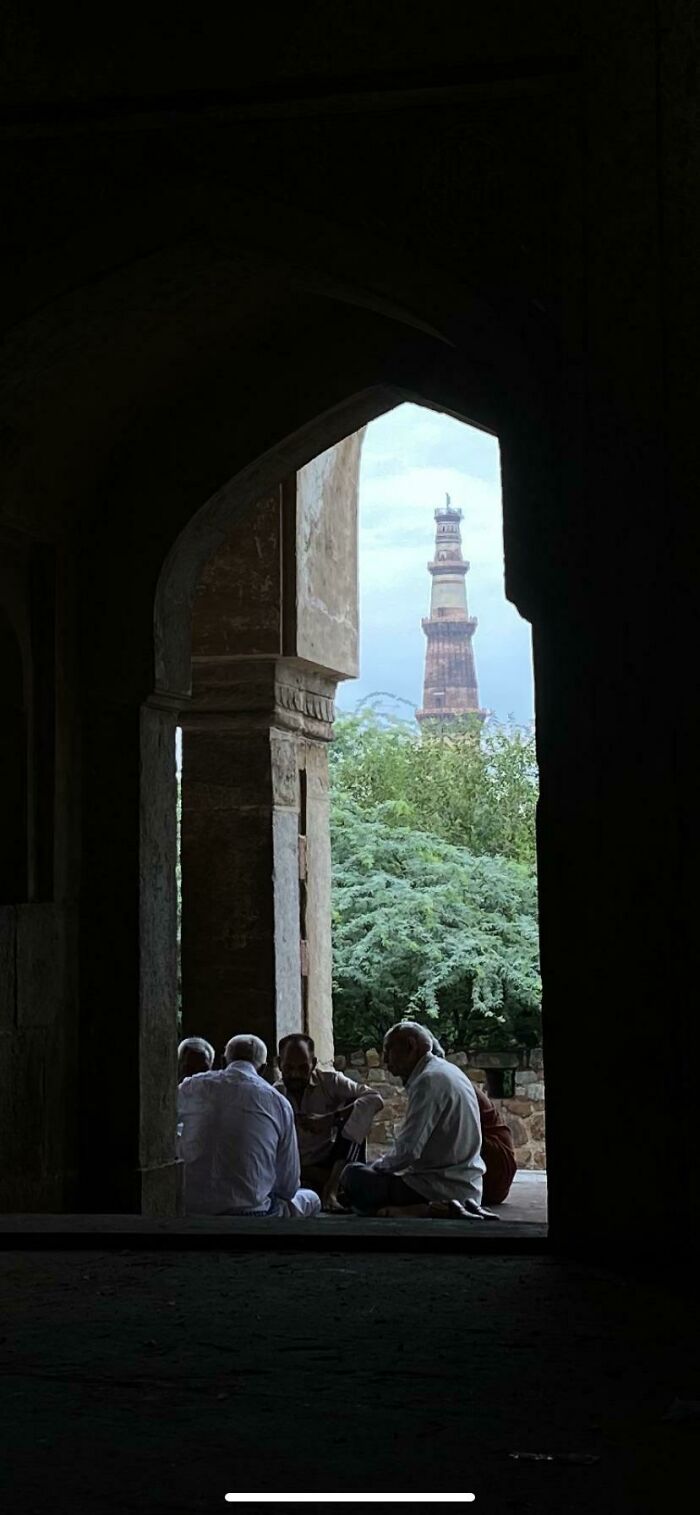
{"points": [[238, 1142], [439, 1145]]}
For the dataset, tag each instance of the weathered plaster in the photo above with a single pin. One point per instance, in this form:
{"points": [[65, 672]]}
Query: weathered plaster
{"points": [[326, 559]]}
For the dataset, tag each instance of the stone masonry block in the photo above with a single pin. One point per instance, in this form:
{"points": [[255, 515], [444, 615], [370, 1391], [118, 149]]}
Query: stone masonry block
{"points": [[518, 1129], [521, 1107], [285, 776]]}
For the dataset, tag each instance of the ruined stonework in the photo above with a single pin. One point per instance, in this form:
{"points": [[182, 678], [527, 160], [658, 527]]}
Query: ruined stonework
{"points": [[524, 1112], [450, 689]]}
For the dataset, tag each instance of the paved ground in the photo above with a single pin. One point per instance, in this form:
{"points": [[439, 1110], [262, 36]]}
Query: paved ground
{"points": [[527, 1200], [522, 1218], [148, 1381]]}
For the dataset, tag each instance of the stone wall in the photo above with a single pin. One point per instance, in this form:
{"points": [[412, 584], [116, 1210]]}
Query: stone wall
{"points": [[524, 1112]]}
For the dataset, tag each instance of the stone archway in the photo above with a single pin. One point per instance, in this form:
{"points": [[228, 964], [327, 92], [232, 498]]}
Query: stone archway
{"points": [[135, 667], [250, 672], [249, 669]]}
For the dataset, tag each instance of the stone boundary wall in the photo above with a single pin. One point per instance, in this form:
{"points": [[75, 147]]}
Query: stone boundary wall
{"points": [[524, 1112]]}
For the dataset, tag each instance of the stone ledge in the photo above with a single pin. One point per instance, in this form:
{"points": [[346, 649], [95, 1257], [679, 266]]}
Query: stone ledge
{"points": [[96, 1231]]}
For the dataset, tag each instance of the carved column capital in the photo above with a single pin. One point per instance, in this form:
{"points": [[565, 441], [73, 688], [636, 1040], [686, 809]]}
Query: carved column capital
{"points": [[251, 694]]}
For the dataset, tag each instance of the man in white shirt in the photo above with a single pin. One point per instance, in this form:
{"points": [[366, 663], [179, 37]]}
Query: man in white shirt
{"points": [[237, 1140], [332, 1114], [436, 1161], [194, 1055]]}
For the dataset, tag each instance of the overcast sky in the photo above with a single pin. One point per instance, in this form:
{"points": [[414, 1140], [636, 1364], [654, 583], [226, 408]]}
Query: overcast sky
{"points": [[411, 458]]}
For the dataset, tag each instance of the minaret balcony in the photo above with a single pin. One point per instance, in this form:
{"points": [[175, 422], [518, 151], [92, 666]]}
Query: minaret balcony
{"points": [[450, 622], [448, 566]]}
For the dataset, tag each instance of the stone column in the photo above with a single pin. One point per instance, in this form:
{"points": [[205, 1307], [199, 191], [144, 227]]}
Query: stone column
{"points": [[317, 923], [274, 629], [126, 1110], [254, 851]]}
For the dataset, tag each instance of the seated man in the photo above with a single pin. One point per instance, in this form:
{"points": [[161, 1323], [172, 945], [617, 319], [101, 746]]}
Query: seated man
{"points": [[436, 1166], [332, 1114], [238, 1141], [194, 1055], [497, 1147], [497, 1151]]}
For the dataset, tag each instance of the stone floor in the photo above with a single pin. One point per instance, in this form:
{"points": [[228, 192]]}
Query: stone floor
{"points": [[148, 1380], [527, 1200], [522, 1218]]}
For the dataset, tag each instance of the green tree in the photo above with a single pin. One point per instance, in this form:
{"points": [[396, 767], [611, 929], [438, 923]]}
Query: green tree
{"points": [[474, 787], [425, 928]]}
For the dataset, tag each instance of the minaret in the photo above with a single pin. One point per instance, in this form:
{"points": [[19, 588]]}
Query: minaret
{"points": [[449, 689]]}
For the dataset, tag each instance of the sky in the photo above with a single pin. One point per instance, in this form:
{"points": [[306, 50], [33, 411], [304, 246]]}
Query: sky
{"points": [[410, 459]]}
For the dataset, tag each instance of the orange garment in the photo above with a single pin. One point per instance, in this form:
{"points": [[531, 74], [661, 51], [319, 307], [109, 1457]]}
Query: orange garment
{"points": [[497, 1151]]}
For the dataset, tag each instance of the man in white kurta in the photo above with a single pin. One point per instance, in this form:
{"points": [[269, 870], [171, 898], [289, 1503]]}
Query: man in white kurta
{"points": [[238, 1143], [436, 1157]]}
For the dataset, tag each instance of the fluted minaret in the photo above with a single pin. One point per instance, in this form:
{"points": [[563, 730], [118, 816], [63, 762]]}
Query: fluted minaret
{"points": [[450, 689]]}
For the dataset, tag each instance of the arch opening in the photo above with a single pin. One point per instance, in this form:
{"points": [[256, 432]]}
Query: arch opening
{"points": [[248, 657]]}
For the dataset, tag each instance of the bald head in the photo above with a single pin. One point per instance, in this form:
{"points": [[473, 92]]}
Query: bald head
{"points": [[404, 1046]]}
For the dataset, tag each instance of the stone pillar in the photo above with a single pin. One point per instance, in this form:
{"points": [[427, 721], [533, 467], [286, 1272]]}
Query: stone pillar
{"points": [[127, 1062], [255, 852], [274, 628], [319, 956]]}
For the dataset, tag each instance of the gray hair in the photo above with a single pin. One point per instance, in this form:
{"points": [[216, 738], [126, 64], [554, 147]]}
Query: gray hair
{"points": [[197, 1044], [437, 1048], [246, 1049], [421, 1033]]}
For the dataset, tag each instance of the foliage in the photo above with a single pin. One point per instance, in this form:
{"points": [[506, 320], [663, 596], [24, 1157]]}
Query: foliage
{"points": [[474, 787], [425, 928]]}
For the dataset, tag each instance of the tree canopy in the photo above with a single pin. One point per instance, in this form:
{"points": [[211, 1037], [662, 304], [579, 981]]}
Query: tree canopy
{"points": [[434, 886], [474, 787]]}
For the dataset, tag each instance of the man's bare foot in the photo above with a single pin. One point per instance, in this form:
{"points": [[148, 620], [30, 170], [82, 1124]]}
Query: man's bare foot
{"points": [[332, 1205]]}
